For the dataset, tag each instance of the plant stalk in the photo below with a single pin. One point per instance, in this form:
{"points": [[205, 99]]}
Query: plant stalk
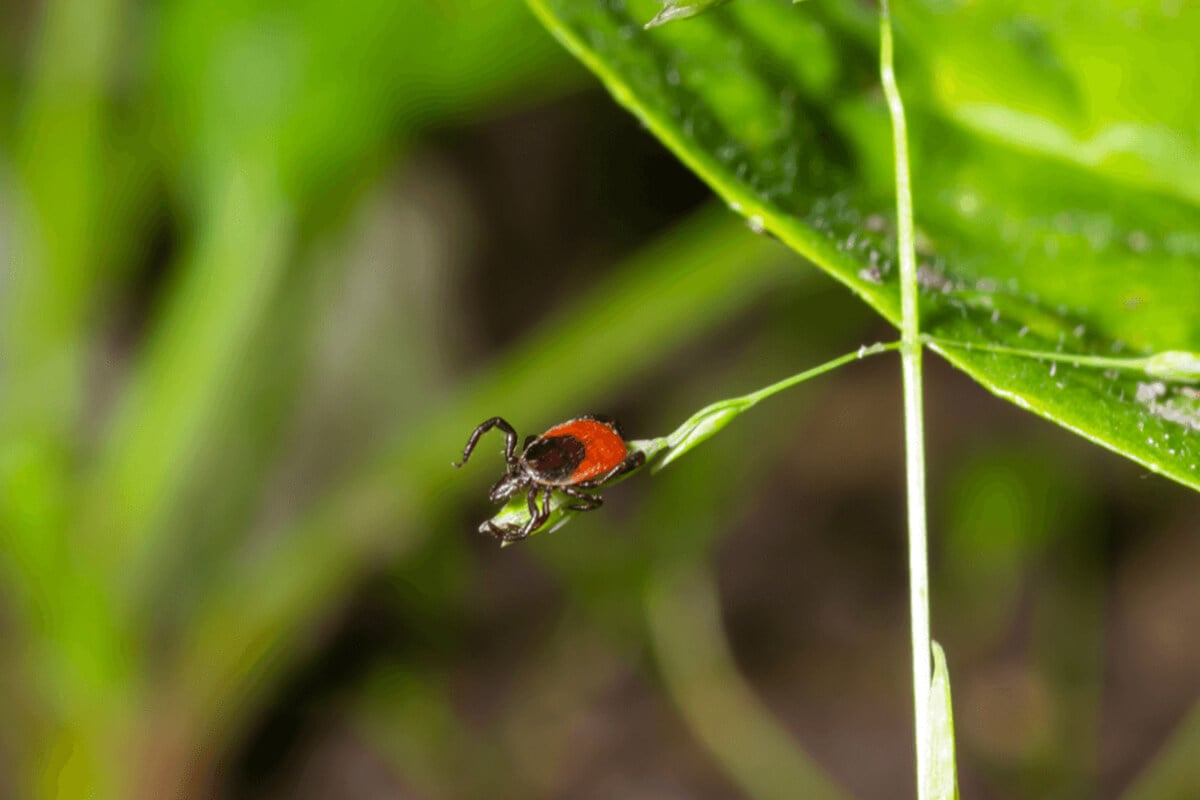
{"points": [[914, 433]]}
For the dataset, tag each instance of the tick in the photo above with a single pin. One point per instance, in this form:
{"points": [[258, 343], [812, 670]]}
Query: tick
{"points": [[573, 457]]}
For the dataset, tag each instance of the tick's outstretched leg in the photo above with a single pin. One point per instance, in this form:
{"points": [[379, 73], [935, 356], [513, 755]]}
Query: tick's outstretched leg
{"points": [[537, 518], [634, 460], [631, 462], [539, 515], [510, 436], [590, 502]]}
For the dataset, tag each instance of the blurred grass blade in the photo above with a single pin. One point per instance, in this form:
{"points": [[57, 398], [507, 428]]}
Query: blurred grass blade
{"points": [[59, 636], [48, 285], [47, 296], [685, 629], [1175, 770], [202, 334], [942, 781]]}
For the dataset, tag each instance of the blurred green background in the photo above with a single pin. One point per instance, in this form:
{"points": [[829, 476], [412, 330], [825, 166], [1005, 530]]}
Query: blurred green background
{"points": [[265, 266]]}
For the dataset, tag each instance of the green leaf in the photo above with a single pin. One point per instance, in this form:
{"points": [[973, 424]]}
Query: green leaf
{"points": [[1021, 242], [1018, 73], [943, 776]]}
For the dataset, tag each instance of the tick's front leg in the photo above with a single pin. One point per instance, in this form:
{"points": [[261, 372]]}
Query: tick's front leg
{"points": [[538, 516], [510, 439], [590, 501]]}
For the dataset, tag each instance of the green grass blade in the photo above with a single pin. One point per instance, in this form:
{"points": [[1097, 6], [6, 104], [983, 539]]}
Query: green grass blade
{"points": [[700, 673], [1175, 770], [943, 771]]}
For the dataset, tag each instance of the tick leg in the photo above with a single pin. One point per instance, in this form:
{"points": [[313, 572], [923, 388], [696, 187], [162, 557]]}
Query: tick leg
{"points": [[499, 531], [632, 461], [513, 534], [510, 444], [537, 516], [607, 420], [540, 519], [510, 534], [590, 501]]}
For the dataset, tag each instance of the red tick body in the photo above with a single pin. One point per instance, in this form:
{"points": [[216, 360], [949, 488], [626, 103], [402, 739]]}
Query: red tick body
{"points": [[603, 447], [572, 456]]}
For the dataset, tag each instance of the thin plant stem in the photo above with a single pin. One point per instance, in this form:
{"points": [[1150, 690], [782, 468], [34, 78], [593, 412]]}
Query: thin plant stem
{"points": [[800, 377], [710, 419], [914, 434]]}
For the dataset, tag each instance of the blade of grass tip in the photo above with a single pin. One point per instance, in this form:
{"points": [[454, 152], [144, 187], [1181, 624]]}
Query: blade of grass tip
{"points": [[709, 420], [944, 771], [914, 434], [685, 631]]}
